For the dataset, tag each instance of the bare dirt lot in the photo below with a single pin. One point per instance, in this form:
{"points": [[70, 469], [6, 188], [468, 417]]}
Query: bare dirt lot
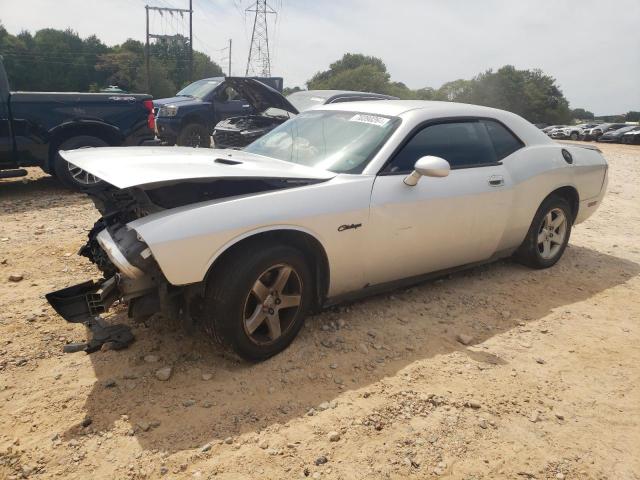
{"points": [[549, 386]]}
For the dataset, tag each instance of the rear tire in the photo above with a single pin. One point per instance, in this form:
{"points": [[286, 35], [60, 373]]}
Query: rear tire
{"points": [[70, 175], [194, 135], [548, 234], [257, 300], [574, 136]]}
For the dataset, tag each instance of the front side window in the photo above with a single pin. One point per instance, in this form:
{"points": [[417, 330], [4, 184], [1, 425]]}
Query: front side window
{"points": [[342, 142], [462, 144]]}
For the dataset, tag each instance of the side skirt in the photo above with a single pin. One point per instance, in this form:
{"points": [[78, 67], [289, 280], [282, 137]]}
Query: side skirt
{"points": [[371, 290]]}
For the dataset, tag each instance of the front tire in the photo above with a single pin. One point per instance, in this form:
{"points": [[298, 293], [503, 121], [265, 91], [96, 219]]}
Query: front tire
{"points": [[548, 234], [70, 175], [194, 135], [258, 300], [574, 136]]}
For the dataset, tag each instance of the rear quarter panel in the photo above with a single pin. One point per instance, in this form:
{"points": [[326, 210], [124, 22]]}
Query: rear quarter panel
{"points": [[538, 170]]}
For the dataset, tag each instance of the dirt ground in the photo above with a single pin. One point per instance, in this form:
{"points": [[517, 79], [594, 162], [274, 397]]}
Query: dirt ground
{"points": [[549, 386]]}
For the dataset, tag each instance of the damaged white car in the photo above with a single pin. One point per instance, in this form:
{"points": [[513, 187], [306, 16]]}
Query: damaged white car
{"points": [[341, 201]]}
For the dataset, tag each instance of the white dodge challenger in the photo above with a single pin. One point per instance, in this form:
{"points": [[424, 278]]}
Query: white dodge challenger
{"points": [[341, 201]]}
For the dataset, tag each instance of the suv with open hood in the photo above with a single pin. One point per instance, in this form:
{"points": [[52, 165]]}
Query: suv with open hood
{"points": [[188, 118]]}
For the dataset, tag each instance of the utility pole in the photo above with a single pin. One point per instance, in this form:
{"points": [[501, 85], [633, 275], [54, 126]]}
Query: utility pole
{"points": [[150, 36], [147, 53], [191, 40], [259, 61], [229, 57]]}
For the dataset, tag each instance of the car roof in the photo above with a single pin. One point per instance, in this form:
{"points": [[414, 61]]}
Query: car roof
{"points": [[417, 111], [398, 107], [336, 93]]}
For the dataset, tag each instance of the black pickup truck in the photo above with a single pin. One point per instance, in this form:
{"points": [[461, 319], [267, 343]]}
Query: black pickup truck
{"points": [[34, 126], [188, 118]]}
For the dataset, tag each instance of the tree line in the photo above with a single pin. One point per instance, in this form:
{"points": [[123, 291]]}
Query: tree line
{"points": [[530, 93], [57, 60]]}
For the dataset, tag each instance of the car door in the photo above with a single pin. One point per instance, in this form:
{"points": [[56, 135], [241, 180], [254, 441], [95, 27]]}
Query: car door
{"points": [[440, 222]]}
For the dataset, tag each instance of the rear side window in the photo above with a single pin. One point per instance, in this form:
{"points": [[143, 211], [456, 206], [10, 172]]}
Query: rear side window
{"points": [[462, 144], [504, 142]]}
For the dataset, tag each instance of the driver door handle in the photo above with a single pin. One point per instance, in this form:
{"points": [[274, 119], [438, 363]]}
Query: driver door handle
{"points": [[496, 180]]}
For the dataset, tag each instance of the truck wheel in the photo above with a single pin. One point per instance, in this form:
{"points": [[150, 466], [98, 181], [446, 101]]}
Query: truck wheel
{"points": [[256, 302], [574, 136], [70, 175], [194, 135]]}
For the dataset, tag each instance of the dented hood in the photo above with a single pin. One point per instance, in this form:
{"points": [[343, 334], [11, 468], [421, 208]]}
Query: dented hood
{"points": [[126, 167]]}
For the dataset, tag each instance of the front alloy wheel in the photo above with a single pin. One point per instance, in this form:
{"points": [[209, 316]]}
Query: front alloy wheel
{"points": [[272, 304], [257, 299]]}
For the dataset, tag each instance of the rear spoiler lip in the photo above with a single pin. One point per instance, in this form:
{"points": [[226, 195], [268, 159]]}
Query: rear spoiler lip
{"points": [[587, 147]]}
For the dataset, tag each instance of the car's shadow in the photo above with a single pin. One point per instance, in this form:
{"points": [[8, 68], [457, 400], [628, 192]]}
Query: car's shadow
{"points": [[397, 329]]}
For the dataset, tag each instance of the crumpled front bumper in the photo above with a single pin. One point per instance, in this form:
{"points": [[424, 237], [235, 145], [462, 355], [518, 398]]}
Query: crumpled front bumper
{"points": [[83, 303]]}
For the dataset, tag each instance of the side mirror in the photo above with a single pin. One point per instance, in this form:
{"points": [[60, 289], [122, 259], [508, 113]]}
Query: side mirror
{"points": [[428, 166]]}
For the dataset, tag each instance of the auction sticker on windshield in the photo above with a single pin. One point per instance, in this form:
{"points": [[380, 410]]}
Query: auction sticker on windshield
{"points": [[371, 119]]}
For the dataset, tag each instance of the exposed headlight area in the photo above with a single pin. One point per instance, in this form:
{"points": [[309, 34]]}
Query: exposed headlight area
{"points": [[168, 111], [117, 257]]}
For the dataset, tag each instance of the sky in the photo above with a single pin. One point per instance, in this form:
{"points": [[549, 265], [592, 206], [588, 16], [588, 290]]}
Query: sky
{"points": [[591, 48]]}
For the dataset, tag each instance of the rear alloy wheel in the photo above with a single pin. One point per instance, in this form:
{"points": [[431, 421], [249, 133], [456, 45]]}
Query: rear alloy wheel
{"points": [[257, 300], [548, 235], [574, 136], [70, 175], [552, 233], [194, 135]]}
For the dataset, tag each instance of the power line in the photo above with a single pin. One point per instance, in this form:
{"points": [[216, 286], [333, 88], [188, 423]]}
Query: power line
{"points": [[171, 10], [259, 60]]}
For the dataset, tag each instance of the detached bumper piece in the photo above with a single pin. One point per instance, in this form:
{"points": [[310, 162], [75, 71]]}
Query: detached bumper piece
{"points": [[84, 303]]}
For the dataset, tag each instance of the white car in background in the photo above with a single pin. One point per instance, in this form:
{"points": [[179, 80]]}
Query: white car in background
{"points": [[572, 132], [341, 201]]}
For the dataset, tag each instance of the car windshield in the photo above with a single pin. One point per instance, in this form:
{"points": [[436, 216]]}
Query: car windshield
{"points": [[199, 89], [306, 100], [342, 142]]}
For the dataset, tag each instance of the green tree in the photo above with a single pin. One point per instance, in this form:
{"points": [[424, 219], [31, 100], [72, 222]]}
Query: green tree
{"points": [[632, 116], [582, 114], [59, 60]]}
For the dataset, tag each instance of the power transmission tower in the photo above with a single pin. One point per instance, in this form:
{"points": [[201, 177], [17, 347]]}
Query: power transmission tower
{"points": [[161, 10], [259, 61]]}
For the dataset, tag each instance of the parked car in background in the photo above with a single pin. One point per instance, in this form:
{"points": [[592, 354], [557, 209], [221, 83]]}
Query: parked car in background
{"points": [[343, 200], [188, 118], [558, 130], [632, 137], [238, 132], [572, 132], [550, 128], [615, 136], [596, 132], [36, 126]]}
